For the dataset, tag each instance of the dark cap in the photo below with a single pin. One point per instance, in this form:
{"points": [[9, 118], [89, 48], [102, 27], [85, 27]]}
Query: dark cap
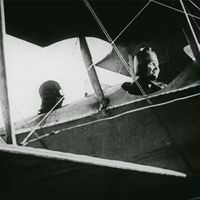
{"points": [[50, 86], [143, 57]]}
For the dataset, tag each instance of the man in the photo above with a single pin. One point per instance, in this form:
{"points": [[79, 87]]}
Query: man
{"points": [[147, 69], [50, 94]]}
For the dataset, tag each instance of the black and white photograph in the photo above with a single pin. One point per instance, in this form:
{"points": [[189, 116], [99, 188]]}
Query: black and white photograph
{"points": [[100, 99]]}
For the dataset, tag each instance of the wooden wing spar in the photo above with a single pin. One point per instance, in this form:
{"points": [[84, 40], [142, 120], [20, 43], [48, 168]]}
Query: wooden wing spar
{"points": [[4, 98]]}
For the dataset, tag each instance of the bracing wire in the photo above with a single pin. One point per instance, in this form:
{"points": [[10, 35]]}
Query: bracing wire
{"points": [[34, 133], [116, 49], [134, 18], [194, 20], [34, 129], [112, 117], [30, 134], [175, 9], [127, 66], [194, 4]]}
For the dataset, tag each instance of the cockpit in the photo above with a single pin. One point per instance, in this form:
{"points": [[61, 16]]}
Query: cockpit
{"points": [[167, 37]]}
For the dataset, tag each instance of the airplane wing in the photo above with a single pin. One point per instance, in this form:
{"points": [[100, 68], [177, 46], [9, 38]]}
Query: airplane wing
{"points": [[156, 22], [130, 24], [43, 174]]}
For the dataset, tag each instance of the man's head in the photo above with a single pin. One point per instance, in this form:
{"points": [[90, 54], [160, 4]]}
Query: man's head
{"points": [[146, 64], [50, 93]]}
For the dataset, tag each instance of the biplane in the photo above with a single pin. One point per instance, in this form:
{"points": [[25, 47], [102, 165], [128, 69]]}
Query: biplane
{"points": [[109, 145]]}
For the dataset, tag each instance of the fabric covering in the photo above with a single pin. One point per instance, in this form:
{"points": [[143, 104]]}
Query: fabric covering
{"points": [[31, 175]]}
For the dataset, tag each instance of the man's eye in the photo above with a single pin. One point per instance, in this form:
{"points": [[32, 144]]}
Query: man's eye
{"points": [[152, 63]]}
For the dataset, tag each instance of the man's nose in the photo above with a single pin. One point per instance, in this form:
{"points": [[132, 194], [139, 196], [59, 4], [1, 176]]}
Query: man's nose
{"points": [[155, 68], [151, 67]]}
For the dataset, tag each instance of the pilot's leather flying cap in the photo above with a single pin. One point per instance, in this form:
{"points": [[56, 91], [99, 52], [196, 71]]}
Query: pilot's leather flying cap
{"points": [[50, 93], [142, 58], [50, 87]]}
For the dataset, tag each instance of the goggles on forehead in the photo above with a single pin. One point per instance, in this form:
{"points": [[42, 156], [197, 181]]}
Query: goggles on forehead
{"points": [[143, 57], [145, 49]]}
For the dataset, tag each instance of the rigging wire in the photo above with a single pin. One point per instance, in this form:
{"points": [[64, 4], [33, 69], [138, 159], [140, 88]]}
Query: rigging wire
{"points": [[116, 49], [134, 18], [175, 9], [30, 134], [33, 131], [122, 59], [194, 4], [188, 13], [197, 25], [98, 21], [132, 75], [89, 68], [2, 141], [115, 116], [195, 47], [112, 41], [194, 20]]}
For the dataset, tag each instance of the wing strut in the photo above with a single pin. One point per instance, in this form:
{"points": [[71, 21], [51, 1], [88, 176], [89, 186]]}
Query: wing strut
{"points": [[5, 106], [87, 58], [191, 36]]}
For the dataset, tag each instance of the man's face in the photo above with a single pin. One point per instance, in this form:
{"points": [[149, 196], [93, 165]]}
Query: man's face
{"points": [[148, 66], [152, 70]]}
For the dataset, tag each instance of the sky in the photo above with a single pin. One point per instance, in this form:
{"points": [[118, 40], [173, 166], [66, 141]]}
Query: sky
{"points": [[29, 65]]}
